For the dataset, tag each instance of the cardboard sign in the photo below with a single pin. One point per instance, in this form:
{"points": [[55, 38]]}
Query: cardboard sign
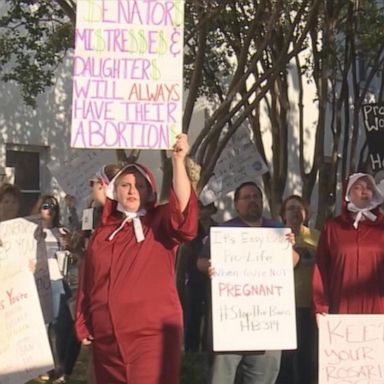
{"points": [[24, 349], [373, 116], [19, 250], [351, 349], [127, 74], [253, 305]]}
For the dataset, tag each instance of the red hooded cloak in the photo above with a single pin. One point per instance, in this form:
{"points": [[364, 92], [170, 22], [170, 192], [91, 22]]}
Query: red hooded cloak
{"points": [[127, 299], [349, 271]]}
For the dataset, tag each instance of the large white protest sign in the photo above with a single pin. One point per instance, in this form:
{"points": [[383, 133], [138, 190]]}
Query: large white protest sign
{"points": [[22, 245], [253, 304], [24, 348], [127, 74], [18, 245], [351, 349], [239, 162]]}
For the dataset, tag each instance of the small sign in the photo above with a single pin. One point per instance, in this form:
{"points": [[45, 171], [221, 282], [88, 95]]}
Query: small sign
{"points": [[351, 349]]}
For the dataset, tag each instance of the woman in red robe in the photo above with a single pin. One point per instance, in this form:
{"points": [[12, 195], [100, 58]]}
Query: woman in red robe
{"points": [[128, 305], [349, 271]]}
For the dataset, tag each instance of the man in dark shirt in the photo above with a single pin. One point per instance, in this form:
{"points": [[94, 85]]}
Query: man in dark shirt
{"points": [[258, 367]]}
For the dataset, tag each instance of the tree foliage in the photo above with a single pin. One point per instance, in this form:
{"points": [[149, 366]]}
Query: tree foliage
{"points": [[241, 56], [33, 41]]}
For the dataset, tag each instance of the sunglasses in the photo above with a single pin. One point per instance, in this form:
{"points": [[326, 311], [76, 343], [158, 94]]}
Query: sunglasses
{"points": [[48, 206]]}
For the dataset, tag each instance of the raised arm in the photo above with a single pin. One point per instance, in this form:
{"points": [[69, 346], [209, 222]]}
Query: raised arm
{"points": [[181, 182]]}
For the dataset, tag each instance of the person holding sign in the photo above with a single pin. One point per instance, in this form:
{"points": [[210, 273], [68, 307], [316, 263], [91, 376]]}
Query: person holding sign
{"points": [[297, 366], [258, 367], [128, 305], [349, 271]]}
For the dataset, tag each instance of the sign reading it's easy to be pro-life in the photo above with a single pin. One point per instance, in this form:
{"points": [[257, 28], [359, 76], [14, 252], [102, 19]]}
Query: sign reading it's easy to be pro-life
{"points": [[253, 305]]}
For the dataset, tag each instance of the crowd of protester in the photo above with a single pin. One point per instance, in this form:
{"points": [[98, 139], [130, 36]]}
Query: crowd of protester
{"points": [[122, 273]]}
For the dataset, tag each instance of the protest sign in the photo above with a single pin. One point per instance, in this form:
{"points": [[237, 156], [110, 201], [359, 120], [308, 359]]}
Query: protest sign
{"points": [[373, 116], [24, 349], [19, 249], [239, 162], [73, 174], [127, 74], [18, 245], [253, 304], [351, 349]]}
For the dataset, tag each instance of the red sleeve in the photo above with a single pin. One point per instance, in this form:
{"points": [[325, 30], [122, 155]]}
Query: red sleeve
{"points": [[320, 277], [81, 328], [182, 226]]}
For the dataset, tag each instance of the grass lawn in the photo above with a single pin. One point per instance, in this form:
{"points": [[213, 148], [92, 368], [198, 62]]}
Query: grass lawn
{"points": [[194, 369]]}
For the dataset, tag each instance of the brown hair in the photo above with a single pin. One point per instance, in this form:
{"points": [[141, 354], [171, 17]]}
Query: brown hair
{"points": [[111, 170], [301, 201], [50, 199], [9, 189], [246, 184]]}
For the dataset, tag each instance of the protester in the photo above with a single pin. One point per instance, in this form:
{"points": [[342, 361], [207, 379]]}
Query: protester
{"points": [[57, 239], [127, 302], [299, 366], [73, 218], [9, 201], [98, 184], [196, 284], [258, 367], [349, 270]]}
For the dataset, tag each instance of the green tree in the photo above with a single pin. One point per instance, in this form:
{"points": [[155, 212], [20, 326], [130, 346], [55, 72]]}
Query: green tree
{"points": [[240, 56]]}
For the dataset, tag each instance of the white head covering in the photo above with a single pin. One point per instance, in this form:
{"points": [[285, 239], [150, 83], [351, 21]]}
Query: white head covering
{"points": [[111, 190], [376, 200], [134, 216]]}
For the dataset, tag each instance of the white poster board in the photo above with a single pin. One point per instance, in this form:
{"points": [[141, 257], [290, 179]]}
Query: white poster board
{"points": [[351, 349], [18, 245], [24, 349], [20, 248], [253, 305], [127, 74]]}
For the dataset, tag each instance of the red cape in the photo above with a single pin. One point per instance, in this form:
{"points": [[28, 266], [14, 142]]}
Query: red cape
{"points": [[127, 290]]}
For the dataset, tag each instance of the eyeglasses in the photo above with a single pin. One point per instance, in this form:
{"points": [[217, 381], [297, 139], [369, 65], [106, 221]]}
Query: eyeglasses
{"points": [[48, 206], [250, 197]]}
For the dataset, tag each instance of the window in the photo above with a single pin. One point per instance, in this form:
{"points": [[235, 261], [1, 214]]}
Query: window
{"points": [[27, 162]]}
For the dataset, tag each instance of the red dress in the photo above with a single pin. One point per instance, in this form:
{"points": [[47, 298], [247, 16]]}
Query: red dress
{"points": [[127, 298], [349, 272]]}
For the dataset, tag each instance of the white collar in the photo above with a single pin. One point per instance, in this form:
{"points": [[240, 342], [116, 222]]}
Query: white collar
{"points": [[366, 212], [135, 217]]}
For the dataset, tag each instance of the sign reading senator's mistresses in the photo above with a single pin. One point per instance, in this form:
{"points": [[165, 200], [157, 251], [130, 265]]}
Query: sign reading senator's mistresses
{"points": [[252, 290], [374, 128], [127, 74]]}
